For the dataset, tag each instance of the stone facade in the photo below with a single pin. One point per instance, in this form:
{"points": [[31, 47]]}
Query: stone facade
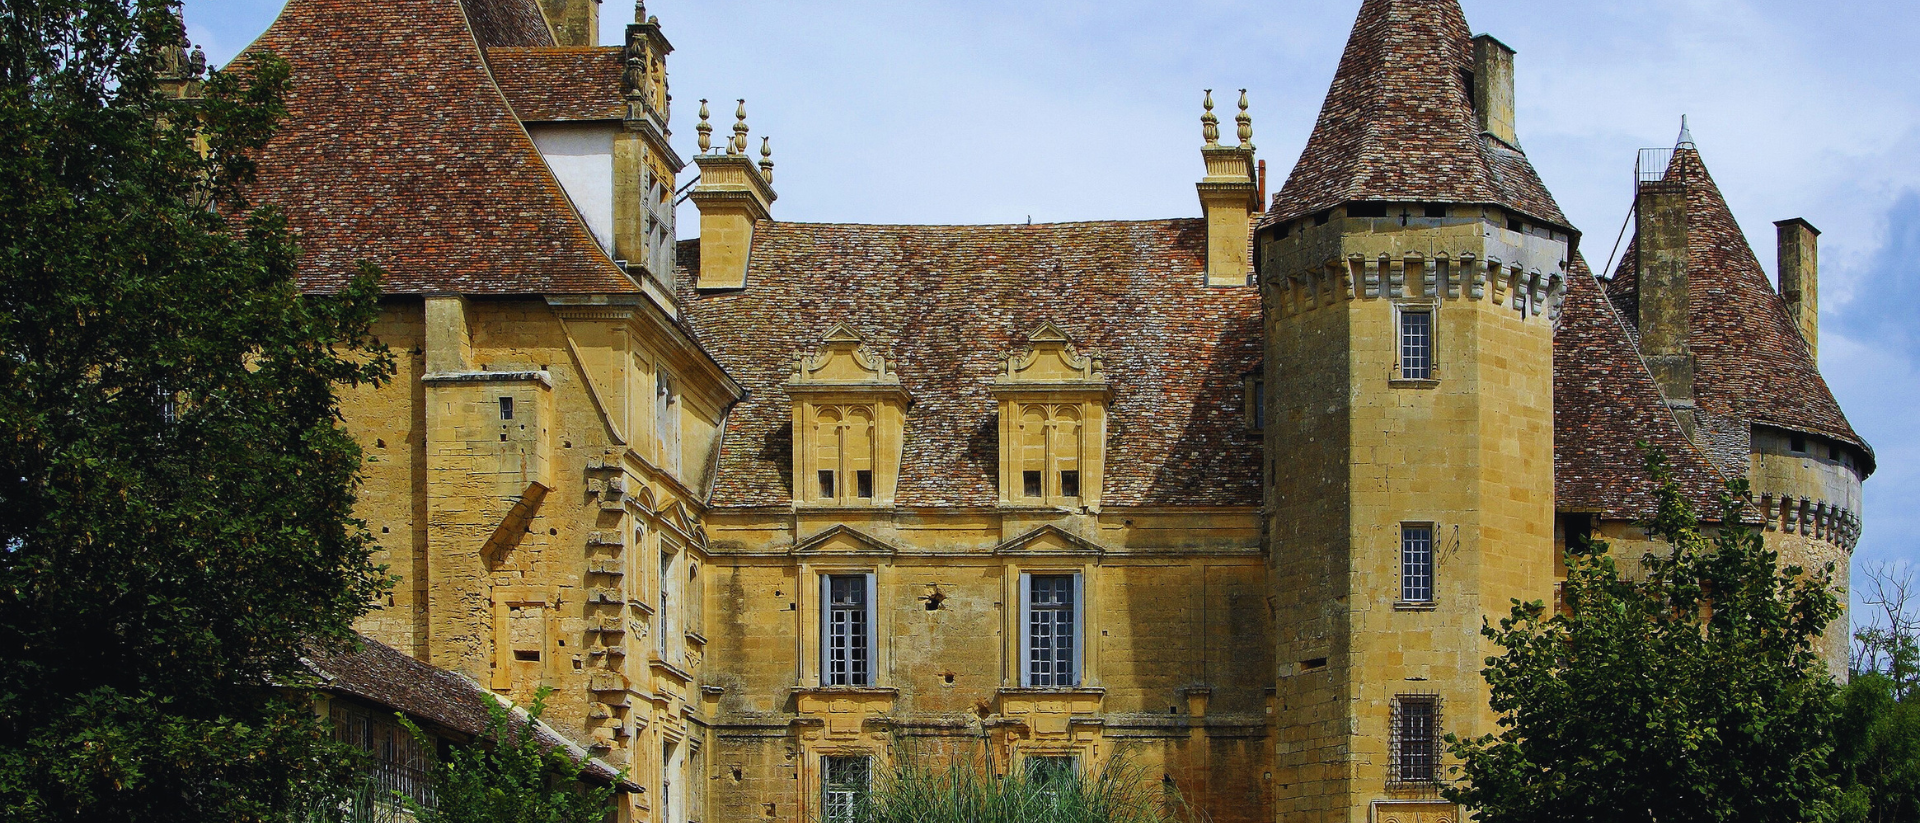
{"points": [[1224, 498]]}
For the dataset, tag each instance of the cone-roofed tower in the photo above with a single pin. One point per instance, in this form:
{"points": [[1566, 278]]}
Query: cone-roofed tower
{"points": [[1412, 271]]}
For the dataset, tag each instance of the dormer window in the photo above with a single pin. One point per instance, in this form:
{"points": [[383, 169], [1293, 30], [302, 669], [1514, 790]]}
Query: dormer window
{"points": [[848, 413], [1053, 403]]}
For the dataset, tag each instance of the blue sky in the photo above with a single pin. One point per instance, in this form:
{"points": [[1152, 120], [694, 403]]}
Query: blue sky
{"points": [[940, 111]]}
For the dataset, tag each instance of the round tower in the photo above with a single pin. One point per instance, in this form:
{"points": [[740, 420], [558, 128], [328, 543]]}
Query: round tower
{"points": [[1411, 271]]}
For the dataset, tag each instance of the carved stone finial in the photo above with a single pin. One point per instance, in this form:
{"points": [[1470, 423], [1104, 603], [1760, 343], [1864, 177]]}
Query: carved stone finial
{"points": [[639, 11], [739, 144], [633, 83], [1210, 124], [766, 158], [198, 61], [705, 129], [1246, 122]]}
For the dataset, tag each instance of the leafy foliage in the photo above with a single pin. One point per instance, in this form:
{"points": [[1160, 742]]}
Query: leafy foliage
{"points": [[175, 490], [510, 776], [914, 790], [1694, 691], [1877, 741]]}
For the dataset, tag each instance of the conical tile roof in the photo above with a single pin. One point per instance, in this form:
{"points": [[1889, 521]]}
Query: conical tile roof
{"points": [[1750, 362], [400, 149], [1398, 124]]}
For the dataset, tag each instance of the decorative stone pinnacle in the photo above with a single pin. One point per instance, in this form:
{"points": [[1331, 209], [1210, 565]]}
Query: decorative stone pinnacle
{"points": [[766, 158], [1209, 124], [639, 11], [705, 129], [739, 144], [1246, 122]]}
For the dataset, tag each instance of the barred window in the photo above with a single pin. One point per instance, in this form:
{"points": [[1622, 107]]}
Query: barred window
{"points": [[1416, 740], [1416, 563], [1416, 345], [1052, 625], [397, 763], [848, 631], [843, 785], [1052, 774]]}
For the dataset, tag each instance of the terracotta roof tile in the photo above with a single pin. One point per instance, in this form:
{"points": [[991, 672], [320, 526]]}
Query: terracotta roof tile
{"points": [[379, 674], [946, 303], [1605, 404], [400, 150], [565, 83], [508, 22], [1751, 364], [1398, 126]]}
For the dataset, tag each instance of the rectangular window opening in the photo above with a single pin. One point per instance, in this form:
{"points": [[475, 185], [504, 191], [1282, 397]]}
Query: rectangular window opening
{"points": [[1051, 774], [1416, 345], [1070, 484], [1051, 657], [1367, 210], [1516, 224], [1435, 211], [1416, 738], [826, 484], [843, 785], [863, 483], [527, 655], [1797, 443], [1322, 218], [847, 631], [1416, 564], [506, 408], [1030, 483]]}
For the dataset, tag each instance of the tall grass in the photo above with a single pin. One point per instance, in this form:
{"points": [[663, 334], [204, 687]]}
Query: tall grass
{"points": [[922, 789]]}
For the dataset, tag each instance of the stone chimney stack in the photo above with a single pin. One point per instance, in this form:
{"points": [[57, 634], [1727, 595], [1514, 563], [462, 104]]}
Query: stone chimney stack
{"points": [[574, 22], [1229, 197], [732, 196], [1662, 258], [1493, 89], [1800, 278]]}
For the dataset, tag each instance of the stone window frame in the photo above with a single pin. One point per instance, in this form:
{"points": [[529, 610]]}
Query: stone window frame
{"points": [[1429, 306], [851, 790], [870, 624], [1078, 655], [1404, 600], [1405, 757]]}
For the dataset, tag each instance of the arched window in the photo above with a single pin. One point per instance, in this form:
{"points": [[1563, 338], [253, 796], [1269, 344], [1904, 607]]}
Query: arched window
{"points": [[843, 454], [1049, 452]]}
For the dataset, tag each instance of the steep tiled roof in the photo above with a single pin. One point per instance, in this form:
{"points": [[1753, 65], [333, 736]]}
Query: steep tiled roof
{"points": [[1605, 404], [1750, 362], [1398, 124], [400, 150], [508, 22], [379, 674], [946, 303], [565, 83]]}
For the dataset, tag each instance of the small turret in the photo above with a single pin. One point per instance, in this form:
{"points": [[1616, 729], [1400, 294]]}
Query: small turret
{"points": [[1229, 196]]}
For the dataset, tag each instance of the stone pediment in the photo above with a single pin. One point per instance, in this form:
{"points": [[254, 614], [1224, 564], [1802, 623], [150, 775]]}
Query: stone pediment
{"points": [[1050, 360], [843, 541], [1049, 540], [843, 359]]}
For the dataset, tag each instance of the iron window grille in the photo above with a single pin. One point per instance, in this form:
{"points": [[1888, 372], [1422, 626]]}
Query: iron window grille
{"points": [[843, 786], [1416, 563], [848, 648], [1416, 345], [1051, 631], [1414, 760], [398, 764]]}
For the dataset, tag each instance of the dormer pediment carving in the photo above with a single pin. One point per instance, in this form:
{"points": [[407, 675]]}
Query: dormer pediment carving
{"points": [[1050, 362], [843, 359]]}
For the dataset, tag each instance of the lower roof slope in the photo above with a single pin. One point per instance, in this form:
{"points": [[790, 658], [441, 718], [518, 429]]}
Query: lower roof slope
{"points": [[1605, 405], [562, 83], [1750, 362], [400, 150], [945, 304]]}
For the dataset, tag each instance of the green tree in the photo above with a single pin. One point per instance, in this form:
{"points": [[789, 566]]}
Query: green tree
{"points": [[1693, 691], [1877, 741], [176, 491], [511, 776], [922, 788]]}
